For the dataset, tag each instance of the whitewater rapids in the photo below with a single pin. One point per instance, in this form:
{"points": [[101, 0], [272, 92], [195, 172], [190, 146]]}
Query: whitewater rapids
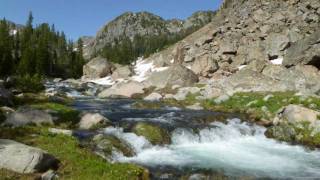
{"points": [[235, 149]]}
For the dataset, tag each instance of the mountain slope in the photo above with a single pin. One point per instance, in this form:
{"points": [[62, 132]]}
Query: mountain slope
{"points": [[144, 24]]}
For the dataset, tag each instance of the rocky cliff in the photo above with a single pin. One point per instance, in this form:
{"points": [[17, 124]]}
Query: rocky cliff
{"points": [[144, 24]]}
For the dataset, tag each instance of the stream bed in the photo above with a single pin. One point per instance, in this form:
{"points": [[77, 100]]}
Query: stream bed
{"points": [[203, 143]]}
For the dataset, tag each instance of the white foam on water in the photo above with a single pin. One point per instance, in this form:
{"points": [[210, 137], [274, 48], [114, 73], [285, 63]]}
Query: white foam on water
{"points": [[237, 148]]}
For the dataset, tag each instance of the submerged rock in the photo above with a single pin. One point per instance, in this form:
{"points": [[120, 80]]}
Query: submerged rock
{"points": [[154, 134], [21, 158]]}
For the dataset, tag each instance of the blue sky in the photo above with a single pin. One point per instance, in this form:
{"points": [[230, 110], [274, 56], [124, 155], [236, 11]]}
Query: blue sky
{"points": [[84, 17]]}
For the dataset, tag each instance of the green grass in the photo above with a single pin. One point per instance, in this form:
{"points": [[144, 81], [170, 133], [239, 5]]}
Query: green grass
{"points": [[76, 163], [67, 116]]}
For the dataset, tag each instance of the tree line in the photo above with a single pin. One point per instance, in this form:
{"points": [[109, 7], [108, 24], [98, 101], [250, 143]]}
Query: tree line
{"points": [[125, 50], [39, 50]]}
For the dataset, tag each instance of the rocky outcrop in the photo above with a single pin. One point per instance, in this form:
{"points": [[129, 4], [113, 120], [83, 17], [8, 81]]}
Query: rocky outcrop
{"points": [[305, 51], [91, 121], [122, 72], [26, 115], [97, 68], [174, 75], [144, 24], [21, 158], [123, 89], [254, 46]]}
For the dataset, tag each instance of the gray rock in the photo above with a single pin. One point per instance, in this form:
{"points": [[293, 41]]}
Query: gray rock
{"points": [[196, 106], [49, 175], [222, 99], [26, 115], [275, 43], [21, 158], [296, 114], [153, 97], [97, 68], [5, 96], [123, 72], [123, 89], [96, 120], [204, 65], [174, 75], [304, 51]]}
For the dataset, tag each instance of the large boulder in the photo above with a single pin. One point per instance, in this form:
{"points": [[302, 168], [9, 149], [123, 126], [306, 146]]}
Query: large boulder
{"points": [[304, 51], [275, 44], [21, 158], [26, 115], [296, 114], [296, 124], [174, 75], [123, 89], [153, 97], [97, 68], [93, 120], [122, 72], [204, 65]]}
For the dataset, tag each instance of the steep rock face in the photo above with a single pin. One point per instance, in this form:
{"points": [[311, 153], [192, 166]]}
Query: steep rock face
{"points": [[143, 23]]}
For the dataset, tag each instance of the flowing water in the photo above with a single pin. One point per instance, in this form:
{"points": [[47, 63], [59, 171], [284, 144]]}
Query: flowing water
{"points": [[201, 142]]}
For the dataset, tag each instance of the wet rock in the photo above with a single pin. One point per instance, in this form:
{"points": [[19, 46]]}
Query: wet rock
{"points": [[153, 97], [97, 68], [107, 145], [123, 89], [21, 158], [93, 121], [27, 115], [296, 124], [154, 134]]}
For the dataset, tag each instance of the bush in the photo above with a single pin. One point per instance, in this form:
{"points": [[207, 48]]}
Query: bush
{"points": [[32, 84]]}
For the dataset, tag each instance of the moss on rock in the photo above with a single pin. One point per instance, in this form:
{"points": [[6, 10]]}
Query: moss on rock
{"points": [[154, 134], [109, 144]]}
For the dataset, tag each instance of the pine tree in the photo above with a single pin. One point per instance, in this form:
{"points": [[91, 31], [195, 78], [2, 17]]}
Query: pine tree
{"points": [[6, 49]]}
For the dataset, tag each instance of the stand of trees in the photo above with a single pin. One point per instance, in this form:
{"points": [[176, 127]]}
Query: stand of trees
{"points": [[40, 51], [125, 51]]}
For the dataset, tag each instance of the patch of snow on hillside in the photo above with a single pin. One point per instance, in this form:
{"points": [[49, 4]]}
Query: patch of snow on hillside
{"points": [[242, 66], [107, 81], [277, 61], [143, 68]]}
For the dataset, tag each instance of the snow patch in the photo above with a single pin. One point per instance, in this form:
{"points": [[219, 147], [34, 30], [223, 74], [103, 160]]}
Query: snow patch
{"points": [[106, 81], [242, 66], [143, 68], [277, 61]]}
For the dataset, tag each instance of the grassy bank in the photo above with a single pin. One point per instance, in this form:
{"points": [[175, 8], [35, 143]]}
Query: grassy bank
{"points": [[76, 163]]}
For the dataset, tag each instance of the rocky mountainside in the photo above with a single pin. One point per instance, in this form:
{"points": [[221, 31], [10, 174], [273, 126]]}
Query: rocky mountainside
{"points": [[254, 45], [144, 24]]}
